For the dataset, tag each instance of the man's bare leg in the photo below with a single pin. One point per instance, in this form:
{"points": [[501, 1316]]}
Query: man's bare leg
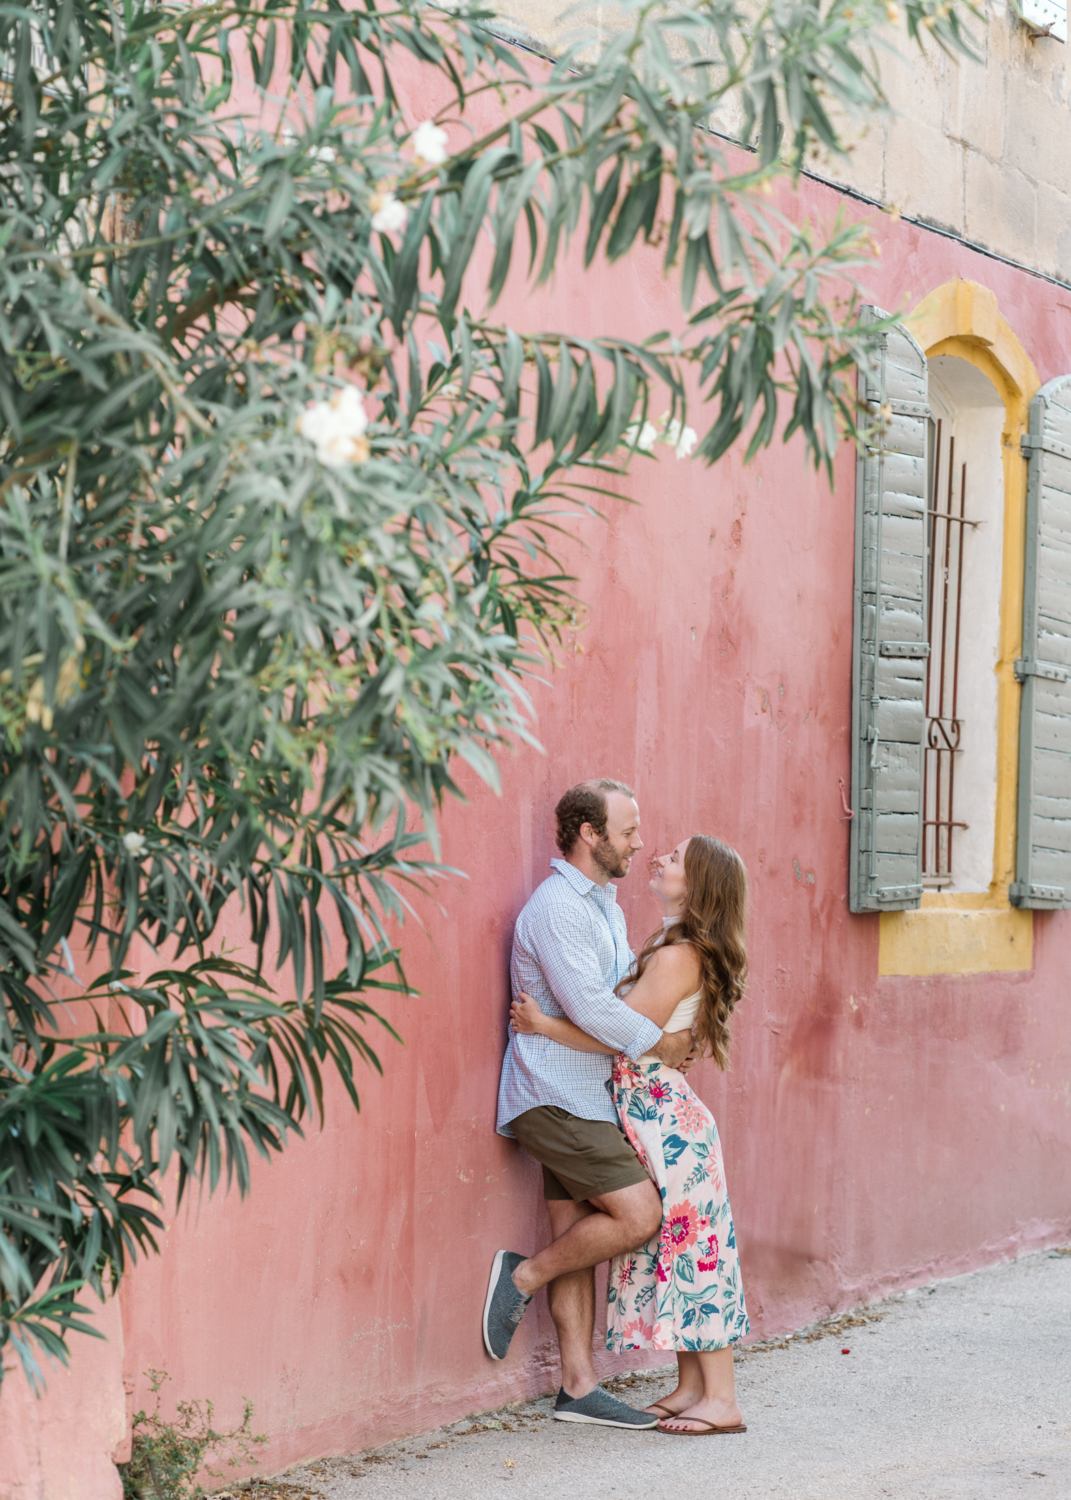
{"points": [[623, 1221], [571, 1298]]}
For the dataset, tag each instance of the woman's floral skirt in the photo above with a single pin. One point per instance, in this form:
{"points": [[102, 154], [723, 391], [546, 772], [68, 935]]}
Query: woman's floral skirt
{"points": [[682, 1290]]}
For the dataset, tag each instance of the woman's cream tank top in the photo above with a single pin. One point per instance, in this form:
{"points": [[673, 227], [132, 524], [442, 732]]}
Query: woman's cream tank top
{"points": [[681, 1019]]}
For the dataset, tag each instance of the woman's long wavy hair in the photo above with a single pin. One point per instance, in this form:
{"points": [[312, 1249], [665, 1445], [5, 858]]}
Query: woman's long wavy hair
{"points": [[713, 921]]}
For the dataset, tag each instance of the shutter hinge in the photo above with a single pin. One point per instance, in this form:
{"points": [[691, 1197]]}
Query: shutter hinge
{"points": [[1021, 891], [904, 648], [1052, 671], [1034, 442], [874, 741], [898, 893]]}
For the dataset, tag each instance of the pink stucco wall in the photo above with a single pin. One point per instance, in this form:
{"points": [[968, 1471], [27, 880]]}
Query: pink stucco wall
{"points": [[878, 1131], [65, 1445]]}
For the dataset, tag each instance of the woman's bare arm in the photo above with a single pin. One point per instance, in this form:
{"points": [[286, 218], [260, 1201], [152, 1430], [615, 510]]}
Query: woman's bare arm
{"points": [[527, 1017], [671, 973]]}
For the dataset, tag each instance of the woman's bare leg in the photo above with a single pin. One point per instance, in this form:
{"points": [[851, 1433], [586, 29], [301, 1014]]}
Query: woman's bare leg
{"points": [[689, 1386], [718, 1403]]}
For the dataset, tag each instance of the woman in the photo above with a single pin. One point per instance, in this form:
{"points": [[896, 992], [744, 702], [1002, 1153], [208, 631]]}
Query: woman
{"points": [[681, 1291]]}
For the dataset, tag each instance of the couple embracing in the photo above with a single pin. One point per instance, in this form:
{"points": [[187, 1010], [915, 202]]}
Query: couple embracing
{"points": [[593, 1087]]}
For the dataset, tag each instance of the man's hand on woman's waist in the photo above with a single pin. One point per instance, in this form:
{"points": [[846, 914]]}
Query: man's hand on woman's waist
{"points": [[673, 1047]]}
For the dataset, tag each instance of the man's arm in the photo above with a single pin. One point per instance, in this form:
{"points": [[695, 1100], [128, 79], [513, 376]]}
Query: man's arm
{"points": [[528, 1018], [560, 940]]}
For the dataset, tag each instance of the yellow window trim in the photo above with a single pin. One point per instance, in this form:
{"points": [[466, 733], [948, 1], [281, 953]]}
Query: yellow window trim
{"points": [[979, 933]]}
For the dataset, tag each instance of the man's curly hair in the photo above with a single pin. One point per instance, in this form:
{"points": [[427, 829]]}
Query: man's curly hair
{"points": [[585, 803]]}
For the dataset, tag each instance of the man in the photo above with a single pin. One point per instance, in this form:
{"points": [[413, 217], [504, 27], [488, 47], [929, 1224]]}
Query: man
{"points": [[570, 948]]}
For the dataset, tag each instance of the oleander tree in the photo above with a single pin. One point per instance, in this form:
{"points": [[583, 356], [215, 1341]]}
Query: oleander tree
{"points": [[281, 498]]}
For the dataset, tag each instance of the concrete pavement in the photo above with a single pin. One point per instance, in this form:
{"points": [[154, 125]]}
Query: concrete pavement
{"points": [[957, 1391]]}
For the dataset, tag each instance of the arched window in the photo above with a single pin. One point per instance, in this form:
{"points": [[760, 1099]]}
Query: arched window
{"points": [[956, 857]]}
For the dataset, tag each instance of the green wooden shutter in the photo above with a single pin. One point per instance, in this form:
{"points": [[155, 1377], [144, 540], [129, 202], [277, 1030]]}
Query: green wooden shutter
{"points": [[890, 637], [1043, 855]]}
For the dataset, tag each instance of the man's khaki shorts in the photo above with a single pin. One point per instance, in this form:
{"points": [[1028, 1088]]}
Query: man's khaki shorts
{"points": [[580, 1158]]}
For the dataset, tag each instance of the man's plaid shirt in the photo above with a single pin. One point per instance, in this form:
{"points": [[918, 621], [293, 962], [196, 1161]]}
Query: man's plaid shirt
{"points": [[570, 948]]}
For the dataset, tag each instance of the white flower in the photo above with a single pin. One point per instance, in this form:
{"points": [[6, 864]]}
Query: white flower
{"points": [[683, 439], [429, 143], [337, 427], [314, 153], [389, 214], [37, 710], [648, 436], [134, 843]]}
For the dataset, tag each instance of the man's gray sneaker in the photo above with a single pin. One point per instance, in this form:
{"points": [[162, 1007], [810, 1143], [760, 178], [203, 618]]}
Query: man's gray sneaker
{"points": [[504, 1307], [600, 1407]]}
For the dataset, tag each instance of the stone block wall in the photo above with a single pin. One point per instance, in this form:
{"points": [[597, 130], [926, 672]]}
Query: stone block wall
{"points": [[980, 149]]}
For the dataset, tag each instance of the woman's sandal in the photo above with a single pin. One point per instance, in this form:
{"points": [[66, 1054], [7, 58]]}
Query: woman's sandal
{"points": [[706, 1429], [661, 1406]]}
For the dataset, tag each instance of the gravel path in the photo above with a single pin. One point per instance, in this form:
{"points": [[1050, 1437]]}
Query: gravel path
{"points": [[960, 1389]]}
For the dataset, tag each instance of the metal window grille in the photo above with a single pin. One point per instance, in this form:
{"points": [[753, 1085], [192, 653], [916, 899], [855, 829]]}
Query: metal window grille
{"points": [[949, 521]]}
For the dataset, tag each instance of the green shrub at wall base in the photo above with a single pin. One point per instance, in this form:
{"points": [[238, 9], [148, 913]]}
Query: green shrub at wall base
{"points": [[167, 1457]]}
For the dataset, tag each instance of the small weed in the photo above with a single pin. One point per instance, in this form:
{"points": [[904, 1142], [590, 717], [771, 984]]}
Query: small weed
{"points": [[167, 1456]]}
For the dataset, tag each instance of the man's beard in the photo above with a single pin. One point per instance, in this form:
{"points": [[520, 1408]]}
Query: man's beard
{"points": [[609, 861]]}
